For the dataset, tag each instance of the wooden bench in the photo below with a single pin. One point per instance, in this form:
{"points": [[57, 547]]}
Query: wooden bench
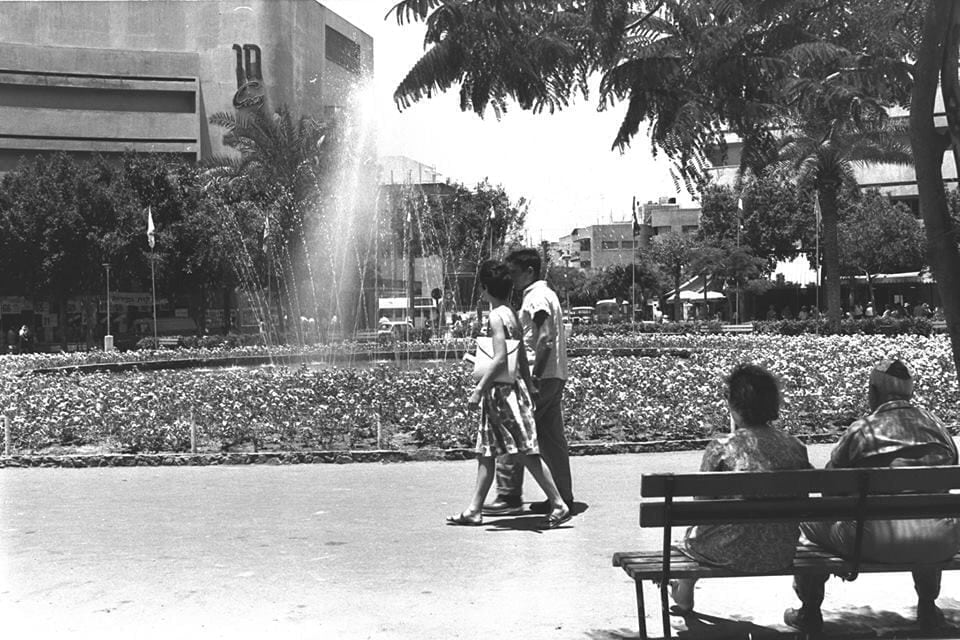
{"points": [[939, 326], [168, 342], [369, 335], [738, 328], [784, 496]]}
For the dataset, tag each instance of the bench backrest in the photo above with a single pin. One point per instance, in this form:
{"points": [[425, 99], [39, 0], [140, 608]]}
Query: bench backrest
{"points": [[814, 494]]}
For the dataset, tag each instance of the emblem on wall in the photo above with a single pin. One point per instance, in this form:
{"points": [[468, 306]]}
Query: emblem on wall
{"points": [[250, 91]]}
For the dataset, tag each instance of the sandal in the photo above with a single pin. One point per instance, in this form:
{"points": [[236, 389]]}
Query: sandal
{"points": [[465, 520], [558, 516]]}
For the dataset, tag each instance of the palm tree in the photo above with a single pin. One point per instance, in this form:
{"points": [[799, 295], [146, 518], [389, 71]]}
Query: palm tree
{"points": [[824, 153], [286, 163]]}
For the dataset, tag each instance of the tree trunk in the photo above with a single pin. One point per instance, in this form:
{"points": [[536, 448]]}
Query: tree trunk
{"points": [[677, 304], [227, 308], [938, 53], [870, 289], [831, 252]]}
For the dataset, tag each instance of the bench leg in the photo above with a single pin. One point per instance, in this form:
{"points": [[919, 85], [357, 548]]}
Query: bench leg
{"points": [[641, 614], [665, 606]]}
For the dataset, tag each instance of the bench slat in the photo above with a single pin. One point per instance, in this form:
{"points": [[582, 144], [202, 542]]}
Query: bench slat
{"points": [[729, 511], [786, 483], [809, 559]]}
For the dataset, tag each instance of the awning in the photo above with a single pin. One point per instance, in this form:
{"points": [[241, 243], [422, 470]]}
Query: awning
{"points": [[697, 296]]}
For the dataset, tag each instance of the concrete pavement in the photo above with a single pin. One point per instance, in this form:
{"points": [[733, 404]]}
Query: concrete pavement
{"points": [[361, 551]]}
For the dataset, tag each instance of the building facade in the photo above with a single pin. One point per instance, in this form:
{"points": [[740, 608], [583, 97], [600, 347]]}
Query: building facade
{"points": [[599, 245], [604, 245], [92, 76]]}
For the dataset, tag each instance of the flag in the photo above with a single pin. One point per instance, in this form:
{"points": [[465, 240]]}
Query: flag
{"points": [[266, 231], [636, 223], [151, 230]]}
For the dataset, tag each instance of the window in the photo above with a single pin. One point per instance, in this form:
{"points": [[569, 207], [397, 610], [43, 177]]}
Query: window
{"points": [[342, 50], [609, 245], [585, 244], [690, 228], [628, 244]]}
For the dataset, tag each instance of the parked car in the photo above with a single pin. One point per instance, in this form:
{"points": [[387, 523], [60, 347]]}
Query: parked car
{"points": [[166, 327], [581, 315], [395, 331], [607, 311]]}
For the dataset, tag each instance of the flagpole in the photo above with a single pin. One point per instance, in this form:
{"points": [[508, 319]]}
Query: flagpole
{"points": [[153, 279], [151, 240]]}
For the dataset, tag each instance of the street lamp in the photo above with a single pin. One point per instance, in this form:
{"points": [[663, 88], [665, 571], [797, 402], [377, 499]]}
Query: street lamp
{"points": [[108, 338]]}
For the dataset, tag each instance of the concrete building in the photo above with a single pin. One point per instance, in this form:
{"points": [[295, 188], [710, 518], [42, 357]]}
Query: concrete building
{"points": [[898, 182], [599, 245], [87, 76], [603, 245]]}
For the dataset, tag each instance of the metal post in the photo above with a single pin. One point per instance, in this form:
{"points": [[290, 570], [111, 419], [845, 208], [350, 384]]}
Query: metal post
{"points": [[193, 433], [737, 311], [153, 280], [108, 337]]}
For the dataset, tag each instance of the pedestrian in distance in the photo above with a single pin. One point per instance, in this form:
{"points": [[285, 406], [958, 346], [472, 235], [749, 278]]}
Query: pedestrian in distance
{"points": [[544, 337], [507, 424], [895, 434]]}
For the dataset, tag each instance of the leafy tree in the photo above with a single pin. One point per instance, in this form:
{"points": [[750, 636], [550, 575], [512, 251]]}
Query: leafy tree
{"points": [[634, 282], [878, 236], [673, 252], [936, 60], [777, 220], [455, 223], [62, 219], [694, 70], [570, 283]]}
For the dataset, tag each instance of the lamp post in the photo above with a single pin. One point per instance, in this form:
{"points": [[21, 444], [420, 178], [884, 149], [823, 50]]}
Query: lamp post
{"points": [[108, 338]]}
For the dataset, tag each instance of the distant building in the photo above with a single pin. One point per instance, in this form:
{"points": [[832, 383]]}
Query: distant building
{"points": [[603, 245], [599, 245], [898, 182], [666, 216], [114, 76]]}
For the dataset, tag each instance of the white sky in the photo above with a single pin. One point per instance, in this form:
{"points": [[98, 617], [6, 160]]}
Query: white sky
{"points": [[562, 163]]}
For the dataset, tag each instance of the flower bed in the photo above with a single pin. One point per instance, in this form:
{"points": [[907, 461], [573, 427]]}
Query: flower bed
{"points": [[607, 398]]}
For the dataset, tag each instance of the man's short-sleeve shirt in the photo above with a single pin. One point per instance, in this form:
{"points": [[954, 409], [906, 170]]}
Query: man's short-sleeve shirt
{"points": [[540, 297]]}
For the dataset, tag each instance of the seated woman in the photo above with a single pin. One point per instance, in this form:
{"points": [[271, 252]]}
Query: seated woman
{"points": [[753, 397]]}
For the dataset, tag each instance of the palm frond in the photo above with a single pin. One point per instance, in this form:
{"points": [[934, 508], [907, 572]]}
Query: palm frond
{"points": [[408, 11], [437, 70]]}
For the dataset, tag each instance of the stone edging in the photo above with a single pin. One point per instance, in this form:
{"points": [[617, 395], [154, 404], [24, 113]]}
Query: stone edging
{"points": [[336, 457]]}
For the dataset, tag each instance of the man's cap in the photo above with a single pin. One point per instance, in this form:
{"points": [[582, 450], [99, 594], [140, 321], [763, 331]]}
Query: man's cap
{"points": [[892, 377]]}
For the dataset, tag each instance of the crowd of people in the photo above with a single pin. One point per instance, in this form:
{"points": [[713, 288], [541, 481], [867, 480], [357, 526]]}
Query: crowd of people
{"points": [[521, 425]]}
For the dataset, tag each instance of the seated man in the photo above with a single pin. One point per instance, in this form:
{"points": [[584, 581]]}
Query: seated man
{"points": [[895, 434]]}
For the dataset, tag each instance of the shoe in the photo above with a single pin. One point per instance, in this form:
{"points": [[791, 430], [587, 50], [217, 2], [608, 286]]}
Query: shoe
{"points": [[465, 520], [558, 516], [808, 620], [929, 615], [504, 506], [545, 507]]}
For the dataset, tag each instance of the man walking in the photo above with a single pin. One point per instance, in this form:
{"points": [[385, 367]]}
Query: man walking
{"points": [[545, 340], [895, 434]]}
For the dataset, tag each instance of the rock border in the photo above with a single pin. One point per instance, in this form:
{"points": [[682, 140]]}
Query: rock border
{"points": [[86, 461]]}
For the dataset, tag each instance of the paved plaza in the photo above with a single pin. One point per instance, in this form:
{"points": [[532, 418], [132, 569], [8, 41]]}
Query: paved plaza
{"points": [[361, 551]]}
